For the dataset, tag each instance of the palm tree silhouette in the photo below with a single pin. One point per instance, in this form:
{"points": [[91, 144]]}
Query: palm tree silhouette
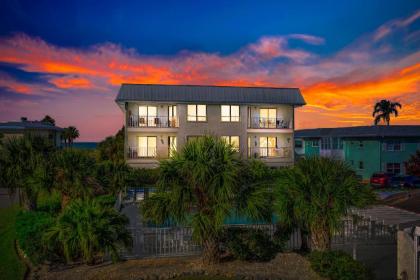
{"points": [[384, 109], [70, 133]]}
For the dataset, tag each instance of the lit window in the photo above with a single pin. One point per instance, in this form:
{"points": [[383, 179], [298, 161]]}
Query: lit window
{"points": [[172, 145], [230, 113], [148, 116], [233, 141], [197, 113], [268, 118], [147, 146], [267, 146], [393, 168]]}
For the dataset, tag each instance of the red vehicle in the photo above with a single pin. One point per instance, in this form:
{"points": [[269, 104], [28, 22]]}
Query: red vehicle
{"points": [[380, 180]]}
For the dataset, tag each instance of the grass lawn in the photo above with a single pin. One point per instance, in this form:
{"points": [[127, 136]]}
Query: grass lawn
{"points": [[10, 265]]}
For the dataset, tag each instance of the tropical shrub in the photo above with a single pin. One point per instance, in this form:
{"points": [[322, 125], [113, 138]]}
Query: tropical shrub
{"points": [[74, 175], [337, 265], [412, 165], [249, 244], [316, 193], [49, 202], [112, 176], [87, 230], [25, 166], [30, 228], [112, 148], [200, 186]]}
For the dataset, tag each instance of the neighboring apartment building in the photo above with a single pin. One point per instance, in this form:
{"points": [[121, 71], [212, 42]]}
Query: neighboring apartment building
{"points": [[258, 122], [367, 149], [24, 127]]}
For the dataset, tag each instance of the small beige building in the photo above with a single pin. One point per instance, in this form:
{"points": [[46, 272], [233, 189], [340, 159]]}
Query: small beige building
{"points": [[25, 127], [258, 122]]}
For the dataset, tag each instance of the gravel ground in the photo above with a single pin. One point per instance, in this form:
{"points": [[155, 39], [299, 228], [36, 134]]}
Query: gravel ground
{"points": [[287, 266]]}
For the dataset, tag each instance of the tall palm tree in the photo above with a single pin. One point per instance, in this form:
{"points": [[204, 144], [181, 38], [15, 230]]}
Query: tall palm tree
{"points": [[316, 193], [89, 230], [74, 175], [70, 133], [384, 109], [199, 187]]}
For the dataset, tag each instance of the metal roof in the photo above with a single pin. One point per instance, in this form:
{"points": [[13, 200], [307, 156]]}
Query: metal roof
{"points": [[209, 94], [389, 215], [28, 125], [361, 131]]}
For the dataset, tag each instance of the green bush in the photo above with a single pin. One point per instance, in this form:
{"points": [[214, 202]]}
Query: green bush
{"points": [[30, 228], [338, 265], [106, 200], [249, 244], [49, 202]]}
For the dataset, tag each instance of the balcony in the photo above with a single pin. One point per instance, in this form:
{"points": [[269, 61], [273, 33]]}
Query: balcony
{"points": [[141, 153], [153, 121], [265, 152], [268, 123]]}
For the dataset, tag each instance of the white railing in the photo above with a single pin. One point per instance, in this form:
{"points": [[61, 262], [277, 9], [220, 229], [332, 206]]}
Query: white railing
{"points": [[147, 152], [264, 152], [268, 123], [153, 121]]}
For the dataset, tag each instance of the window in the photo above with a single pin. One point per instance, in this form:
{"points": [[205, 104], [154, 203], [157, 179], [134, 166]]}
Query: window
{"points": [[393, 146], [268, 146], [233, 141], [315, 143], [147, 146], [148, 116], [268, 118], [197, 113], [361, 144], [337, 143], [171, 145], [298, 144], [361, 165], [393, 168], [326, 143], [229, 113], [172, 120]]}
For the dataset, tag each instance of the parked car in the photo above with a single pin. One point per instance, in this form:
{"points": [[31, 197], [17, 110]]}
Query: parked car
{"points": [[380, 180], [396, 181], [411, 182]]}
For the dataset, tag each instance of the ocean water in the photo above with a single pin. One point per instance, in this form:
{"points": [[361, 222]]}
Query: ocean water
{"points": [[85, 145]]}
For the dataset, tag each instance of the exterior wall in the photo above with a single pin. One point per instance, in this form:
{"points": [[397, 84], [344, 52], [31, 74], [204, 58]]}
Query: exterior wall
{"points": [[405, 256], [213, 126], [408, 148], [54, 136], [310, 150], [369, 154]]}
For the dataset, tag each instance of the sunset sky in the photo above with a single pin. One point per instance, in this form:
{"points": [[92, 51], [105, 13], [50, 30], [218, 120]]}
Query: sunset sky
{"points": [[68, 58]]}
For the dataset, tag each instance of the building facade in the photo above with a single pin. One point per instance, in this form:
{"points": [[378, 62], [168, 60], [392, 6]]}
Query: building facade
{"points": [[368, 149], [159, 119], [35, 128]]}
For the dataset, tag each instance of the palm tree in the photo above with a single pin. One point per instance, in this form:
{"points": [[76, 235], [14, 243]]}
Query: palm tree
{"points": [[25, 166], [74, 175], [316, 193], [70, 133], [113, 175], [89, 230], [199, 187], [48, 119], [384, 109]]}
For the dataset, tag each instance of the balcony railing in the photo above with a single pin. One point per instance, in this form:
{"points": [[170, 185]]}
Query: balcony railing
{"points": [[135, 153], [268, 123], [153, 121], [264, 152]]}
